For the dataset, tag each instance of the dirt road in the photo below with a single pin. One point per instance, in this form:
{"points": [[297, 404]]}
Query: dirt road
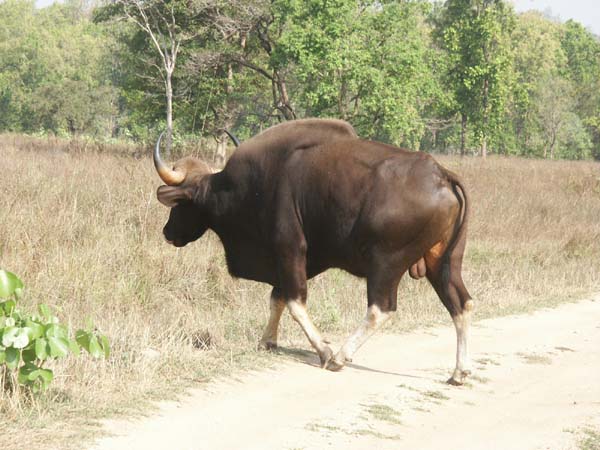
{"points": [[536, 379]]}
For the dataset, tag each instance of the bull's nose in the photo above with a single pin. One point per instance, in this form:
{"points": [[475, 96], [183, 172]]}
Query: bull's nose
{"points": [[170, 241], [175, 242]]}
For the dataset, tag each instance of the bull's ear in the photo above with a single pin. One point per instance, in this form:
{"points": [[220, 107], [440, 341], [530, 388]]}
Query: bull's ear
{"points": [[173, 195]]}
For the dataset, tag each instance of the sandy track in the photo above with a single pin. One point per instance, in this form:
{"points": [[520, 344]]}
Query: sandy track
{"points": [[536, 378]]}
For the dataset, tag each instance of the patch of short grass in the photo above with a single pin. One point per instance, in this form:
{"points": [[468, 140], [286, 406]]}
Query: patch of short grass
{"points": [[564, 349], [407, 387], [588, 438], [486, 361], [376, 434], [437, 395], [421, 409], [535, 358], [479, 379], [384, 413], [318, 427]]}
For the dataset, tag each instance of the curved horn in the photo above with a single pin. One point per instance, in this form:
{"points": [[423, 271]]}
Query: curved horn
{"points": [[235, 140], [169, 176]]}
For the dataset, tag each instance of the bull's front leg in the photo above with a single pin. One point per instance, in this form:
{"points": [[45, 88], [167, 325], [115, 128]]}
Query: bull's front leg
{"points": [[291, 251], [297, 308], [277, 305]]}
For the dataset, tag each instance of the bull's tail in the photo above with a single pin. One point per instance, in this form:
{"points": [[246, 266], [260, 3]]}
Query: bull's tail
{"points": [[449, 283], [456, 245], [457, 241]]}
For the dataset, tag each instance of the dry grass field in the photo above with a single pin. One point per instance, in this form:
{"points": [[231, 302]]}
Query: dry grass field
{"points": [[82, 228]]}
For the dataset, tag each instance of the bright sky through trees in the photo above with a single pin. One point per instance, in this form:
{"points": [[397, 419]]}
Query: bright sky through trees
{"points": [[584, 11]]}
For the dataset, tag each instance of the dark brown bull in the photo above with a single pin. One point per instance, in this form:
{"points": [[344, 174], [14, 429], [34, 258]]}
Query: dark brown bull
{"points": [[308, 195]]}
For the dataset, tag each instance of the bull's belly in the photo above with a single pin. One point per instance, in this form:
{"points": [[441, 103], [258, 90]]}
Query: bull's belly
{"points": [[251, 264], [354, 264]]}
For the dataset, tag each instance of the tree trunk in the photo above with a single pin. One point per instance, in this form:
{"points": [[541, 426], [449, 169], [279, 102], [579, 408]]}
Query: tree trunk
{"points": [[486, 118], [281, 98], [221, 154], [223, 139], [463, 133], [169, 92], [286, 107], [552, 144], [342, 105]]}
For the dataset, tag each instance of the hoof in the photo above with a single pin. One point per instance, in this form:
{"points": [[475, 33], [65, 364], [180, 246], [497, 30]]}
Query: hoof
{"points": [[326, 356], [267, 345], [335, 366], [338, 363], [454, 382], [458, 377]]}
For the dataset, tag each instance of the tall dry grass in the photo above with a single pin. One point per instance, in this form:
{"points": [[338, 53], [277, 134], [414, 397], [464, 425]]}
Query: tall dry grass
{"points": [[83, 231]]}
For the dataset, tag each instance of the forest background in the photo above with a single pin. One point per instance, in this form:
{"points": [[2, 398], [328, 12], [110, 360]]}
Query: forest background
{"points": [[463, 76]]}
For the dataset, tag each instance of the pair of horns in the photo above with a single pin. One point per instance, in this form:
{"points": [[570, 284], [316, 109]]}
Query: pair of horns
{"points": [[173, 177]]}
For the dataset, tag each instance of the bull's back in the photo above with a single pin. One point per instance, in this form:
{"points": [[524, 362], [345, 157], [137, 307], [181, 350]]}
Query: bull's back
{"points": [[359, 196]]}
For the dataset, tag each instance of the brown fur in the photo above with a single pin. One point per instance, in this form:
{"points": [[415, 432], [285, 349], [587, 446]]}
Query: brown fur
{"points": [[308, 195]]}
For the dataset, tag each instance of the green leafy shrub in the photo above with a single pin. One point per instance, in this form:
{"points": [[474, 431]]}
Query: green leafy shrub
{"points": [[28, 341]]}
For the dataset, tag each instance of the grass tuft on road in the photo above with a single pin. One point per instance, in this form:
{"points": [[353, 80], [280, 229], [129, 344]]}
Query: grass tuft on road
{"points": [[588, 439], [384, 413]]}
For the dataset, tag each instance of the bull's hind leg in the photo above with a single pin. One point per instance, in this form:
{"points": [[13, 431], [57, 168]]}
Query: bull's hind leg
{"points": [[277, 305], [381, 291], [462, 323], [372, 321], [446, 279]]}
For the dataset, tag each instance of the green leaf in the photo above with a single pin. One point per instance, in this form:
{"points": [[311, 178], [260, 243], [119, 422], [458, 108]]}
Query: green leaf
{"points": [[105, 346], [45, 376], [24, 373], [83, 338], [29, 354], [18, 336], [35, 329], [8, 336], [41, 348], [32, 375], [44, 311], [13, 356], [22, 338], [9, 284], [59, 346], [2, 356], [74, 347], [95, 349], [8, 306], [55, 330]]}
